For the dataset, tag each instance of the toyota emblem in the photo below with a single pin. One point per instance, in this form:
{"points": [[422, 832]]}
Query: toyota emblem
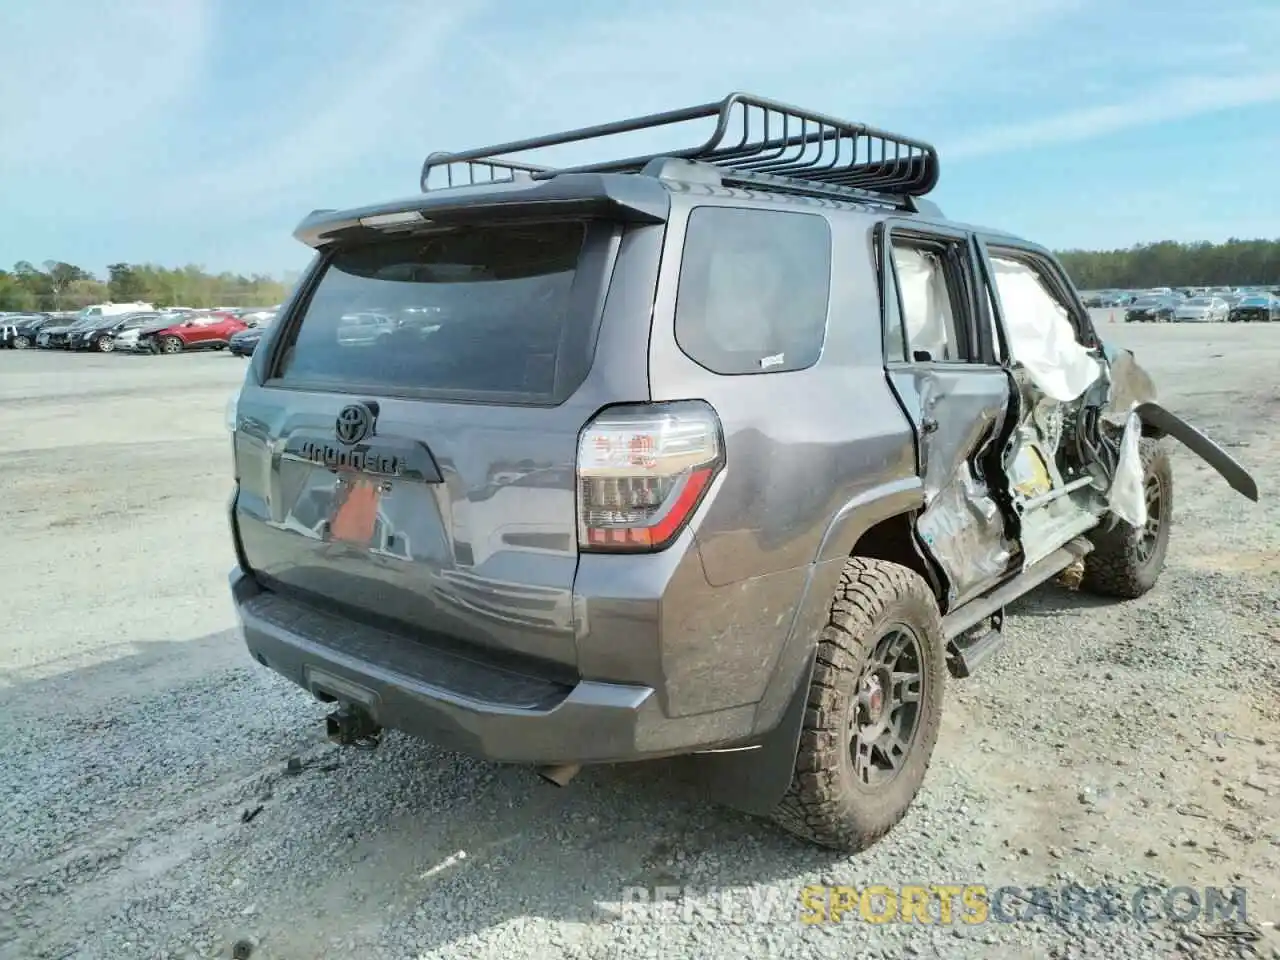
{"points": [[354, 423]]}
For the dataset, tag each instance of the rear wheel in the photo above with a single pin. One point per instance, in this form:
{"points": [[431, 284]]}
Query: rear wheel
{"points": [[873, 711], [170, 345], [1126, 561]]}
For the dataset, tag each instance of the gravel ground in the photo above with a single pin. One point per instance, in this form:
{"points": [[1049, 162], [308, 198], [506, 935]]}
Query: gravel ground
{"points": [[149, 805]]}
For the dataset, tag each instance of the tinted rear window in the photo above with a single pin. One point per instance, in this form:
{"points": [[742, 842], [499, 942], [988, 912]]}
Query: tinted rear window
{"points": [[460, 313], [754, 288]]}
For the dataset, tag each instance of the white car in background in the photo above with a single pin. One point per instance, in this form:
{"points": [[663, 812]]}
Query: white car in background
{"points": [[127, 340], [1201, 310]]}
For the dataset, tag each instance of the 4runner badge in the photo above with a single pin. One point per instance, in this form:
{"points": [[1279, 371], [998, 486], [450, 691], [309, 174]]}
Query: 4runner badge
{"points": [[354, 423]]}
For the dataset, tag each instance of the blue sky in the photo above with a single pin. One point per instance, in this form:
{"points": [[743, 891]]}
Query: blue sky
{"points": [[201, 131]]}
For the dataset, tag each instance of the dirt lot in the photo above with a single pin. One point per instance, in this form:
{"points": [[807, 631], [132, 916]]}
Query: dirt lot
{"points": [[147, 807]]}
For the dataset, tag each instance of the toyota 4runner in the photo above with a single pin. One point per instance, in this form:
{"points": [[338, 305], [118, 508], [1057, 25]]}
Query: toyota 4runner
{"points": [[734, 450]]}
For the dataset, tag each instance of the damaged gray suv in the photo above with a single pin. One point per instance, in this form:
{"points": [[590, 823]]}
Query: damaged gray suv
{"points": [[732, 451]]}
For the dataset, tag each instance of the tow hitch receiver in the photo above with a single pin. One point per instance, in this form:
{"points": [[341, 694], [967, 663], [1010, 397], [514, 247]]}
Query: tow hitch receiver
{"points": [[351, 726]]}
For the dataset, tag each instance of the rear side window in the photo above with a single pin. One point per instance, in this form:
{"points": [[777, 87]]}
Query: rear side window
{"points": [[754, 290], [462, 313]]}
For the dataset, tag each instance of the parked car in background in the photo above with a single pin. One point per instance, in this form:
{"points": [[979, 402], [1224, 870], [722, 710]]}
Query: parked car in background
{"points": [[100, 335], [102, 310], [209, 331], [1258, 308], [1158, 309], [363, 329], [58, 336], [18, 330], [255, 318], [1117, 298], [126, 339], [243, 344], [1201, 310]]}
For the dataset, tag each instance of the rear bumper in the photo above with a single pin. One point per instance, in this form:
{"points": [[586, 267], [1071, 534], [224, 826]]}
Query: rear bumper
{"points": [[461, 704]]}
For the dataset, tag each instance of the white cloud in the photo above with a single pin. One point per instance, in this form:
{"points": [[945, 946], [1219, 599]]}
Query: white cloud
{"points": [[368, 101], [862, 62], [418, 77], [1185, 96]]}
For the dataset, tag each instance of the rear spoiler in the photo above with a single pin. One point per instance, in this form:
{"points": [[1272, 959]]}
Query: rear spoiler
{"points": [[614, 196]]}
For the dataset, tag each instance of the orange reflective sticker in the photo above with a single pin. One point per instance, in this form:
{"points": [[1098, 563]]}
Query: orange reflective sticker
{"points": [[354, 519]]}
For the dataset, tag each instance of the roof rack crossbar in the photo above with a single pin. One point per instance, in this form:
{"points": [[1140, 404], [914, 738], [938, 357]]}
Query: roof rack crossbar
{"points": [[767, 137]]}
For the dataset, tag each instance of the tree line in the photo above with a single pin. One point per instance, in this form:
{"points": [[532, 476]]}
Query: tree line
{"points": [[1170, 264], [57, 285], [64, 286]]}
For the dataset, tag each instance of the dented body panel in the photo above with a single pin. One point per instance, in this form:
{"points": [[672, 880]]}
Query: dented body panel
{"points": [[959, 414]]}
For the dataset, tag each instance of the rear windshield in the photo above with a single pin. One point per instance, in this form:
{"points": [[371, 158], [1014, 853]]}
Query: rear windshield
{"points": [[466, 312]]}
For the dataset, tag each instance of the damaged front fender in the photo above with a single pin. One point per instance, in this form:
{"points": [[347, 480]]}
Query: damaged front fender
{"points": [[1132, 389], [1130, 383], [1163, 423]]}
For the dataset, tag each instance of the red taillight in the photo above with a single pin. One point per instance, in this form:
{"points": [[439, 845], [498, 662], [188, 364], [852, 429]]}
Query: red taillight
{"points": [[642, 472]]}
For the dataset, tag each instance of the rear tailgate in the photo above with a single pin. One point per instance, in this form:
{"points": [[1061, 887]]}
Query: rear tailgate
{"points": [[423, 478]]}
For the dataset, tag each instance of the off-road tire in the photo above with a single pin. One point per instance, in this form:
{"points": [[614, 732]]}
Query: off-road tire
{"points": [[171, 345], [1116, 566], [825, 804]]}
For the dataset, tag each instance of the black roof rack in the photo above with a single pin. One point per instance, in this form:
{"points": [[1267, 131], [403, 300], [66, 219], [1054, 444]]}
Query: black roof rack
{"points": [[755, 141]]}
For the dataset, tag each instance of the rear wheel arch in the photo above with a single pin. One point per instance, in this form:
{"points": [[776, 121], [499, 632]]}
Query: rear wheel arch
{"points": [[893, 540]]}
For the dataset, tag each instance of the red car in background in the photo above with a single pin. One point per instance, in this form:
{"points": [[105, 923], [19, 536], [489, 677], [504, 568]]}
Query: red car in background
{"points": [[201, 331]]}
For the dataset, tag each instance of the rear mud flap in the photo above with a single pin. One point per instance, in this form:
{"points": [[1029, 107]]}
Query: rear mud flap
{"points": [[754, 780], [1164, 423]]}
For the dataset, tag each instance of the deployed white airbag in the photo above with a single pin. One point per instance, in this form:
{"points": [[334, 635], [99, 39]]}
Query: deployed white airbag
{"points": [[1041, 337], [925, 301]]}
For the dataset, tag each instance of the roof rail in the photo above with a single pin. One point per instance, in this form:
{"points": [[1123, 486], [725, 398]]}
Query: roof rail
{"points": [[755, 140]]}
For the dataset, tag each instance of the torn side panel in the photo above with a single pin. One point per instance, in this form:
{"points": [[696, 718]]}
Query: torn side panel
{"points": [[964, 531], [1054, 503]]}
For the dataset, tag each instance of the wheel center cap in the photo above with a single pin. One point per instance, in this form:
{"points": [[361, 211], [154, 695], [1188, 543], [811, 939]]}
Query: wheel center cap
{"points": [[874, 693]]}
